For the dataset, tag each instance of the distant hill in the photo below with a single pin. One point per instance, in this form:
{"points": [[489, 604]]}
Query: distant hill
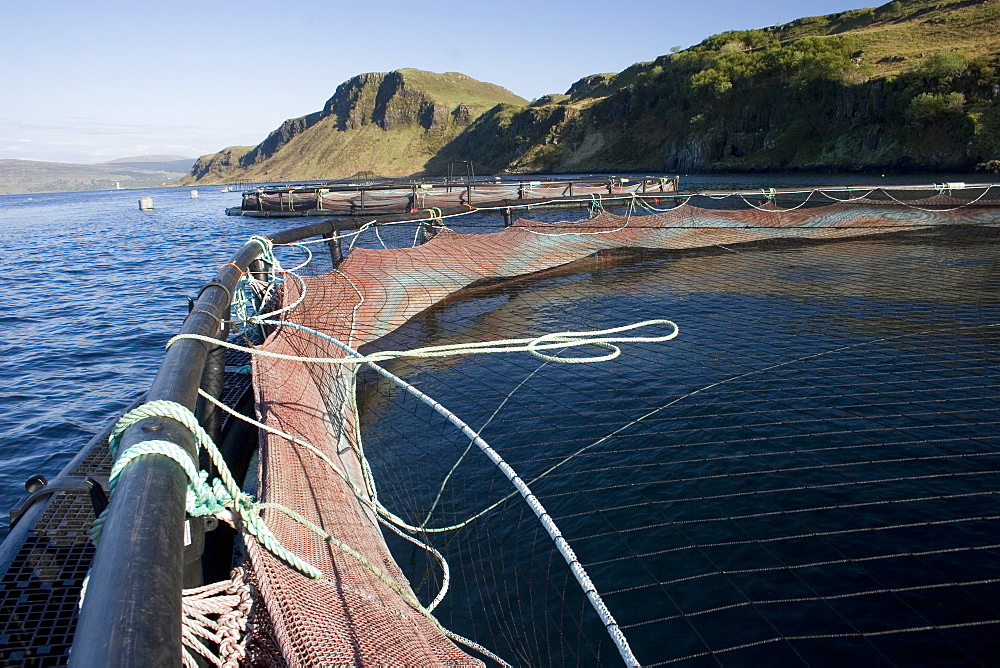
{"points": [[387, 123], [32, 176]]}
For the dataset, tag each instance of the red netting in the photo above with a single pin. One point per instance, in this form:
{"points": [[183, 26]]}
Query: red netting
{"points": [[350, 616]]}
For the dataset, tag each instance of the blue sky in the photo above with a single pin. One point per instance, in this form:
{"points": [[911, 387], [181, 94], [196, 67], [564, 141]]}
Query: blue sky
{"points": [[89, 81]]}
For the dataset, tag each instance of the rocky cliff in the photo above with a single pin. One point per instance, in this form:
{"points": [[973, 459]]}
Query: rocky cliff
{"points": [[387, 123], [215, 167]]}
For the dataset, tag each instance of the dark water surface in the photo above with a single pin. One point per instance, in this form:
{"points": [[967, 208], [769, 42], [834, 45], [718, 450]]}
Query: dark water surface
{"points": [[828, 412], [807, 475]]}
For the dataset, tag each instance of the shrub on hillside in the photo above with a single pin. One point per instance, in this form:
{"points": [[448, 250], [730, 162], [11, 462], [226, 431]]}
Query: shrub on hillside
{"points": [[927, 107]]}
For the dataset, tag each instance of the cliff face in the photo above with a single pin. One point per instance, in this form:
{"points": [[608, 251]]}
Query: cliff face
{"points": [[388, 123], [216, 167], [278, 138]]}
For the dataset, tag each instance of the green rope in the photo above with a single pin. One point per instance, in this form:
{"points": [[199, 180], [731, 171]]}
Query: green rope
{"points": [[267, 249], [203, 498]]}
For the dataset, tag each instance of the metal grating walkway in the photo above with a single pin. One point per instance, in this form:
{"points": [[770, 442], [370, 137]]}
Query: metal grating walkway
{"points": [[40, 589]]}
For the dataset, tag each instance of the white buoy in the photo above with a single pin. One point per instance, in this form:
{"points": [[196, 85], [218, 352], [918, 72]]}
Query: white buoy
{"points": [[194, 194], [145, 203]]}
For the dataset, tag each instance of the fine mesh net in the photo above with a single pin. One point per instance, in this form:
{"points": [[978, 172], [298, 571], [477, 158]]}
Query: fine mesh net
{"points": [[807, 473]]}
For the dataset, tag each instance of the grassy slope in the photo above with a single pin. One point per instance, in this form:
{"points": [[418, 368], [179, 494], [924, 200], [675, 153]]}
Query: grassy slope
{"points": [[894, 37], [219, 167], [454, 88], [726, 104], [911, 30], [322, 151]]}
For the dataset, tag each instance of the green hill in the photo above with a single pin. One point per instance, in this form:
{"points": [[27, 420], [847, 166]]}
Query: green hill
{"points": [[910, 85], [387, 123]]}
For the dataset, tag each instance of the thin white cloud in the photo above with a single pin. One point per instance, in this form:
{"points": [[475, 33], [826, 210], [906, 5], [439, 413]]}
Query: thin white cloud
{"points": [[87, 126], [86, 140]]}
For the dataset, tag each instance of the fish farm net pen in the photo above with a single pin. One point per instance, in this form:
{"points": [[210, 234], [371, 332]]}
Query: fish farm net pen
{"points": [[775, 439]]}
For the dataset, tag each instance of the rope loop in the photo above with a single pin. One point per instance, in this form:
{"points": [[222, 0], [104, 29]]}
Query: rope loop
{"points": [[597, 338]]}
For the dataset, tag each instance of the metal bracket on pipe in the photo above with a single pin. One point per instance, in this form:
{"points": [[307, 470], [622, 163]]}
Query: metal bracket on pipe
{"points": [[39, 489]]}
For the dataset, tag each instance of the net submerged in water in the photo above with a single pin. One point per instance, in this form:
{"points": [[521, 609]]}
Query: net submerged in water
{"points": [[806, 474]]}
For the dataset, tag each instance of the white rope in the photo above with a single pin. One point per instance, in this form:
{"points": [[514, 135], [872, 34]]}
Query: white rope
{"points": [[379, 237], [496, 411], [644, 203], [372, 504], [771, 197], [850, 198], [445, 569], [643, 197], [354, 311], [956, 208], [551, 341], [276, 432], [230, 602]]}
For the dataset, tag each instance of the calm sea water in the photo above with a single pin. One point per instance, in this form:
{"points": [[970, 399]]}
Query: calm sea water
{"points": [[806, 475], [98, 287]]}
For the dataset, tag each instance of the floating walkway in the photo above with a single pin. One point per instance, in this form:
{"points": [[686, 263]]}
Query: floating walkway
{"points": [[397, 196]]}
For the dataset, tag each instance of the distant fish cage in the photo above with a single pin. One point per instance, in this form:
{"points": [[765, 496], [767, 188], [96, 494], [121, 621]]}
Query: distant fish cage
{"points": [[241, 186], [396, 196]]}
